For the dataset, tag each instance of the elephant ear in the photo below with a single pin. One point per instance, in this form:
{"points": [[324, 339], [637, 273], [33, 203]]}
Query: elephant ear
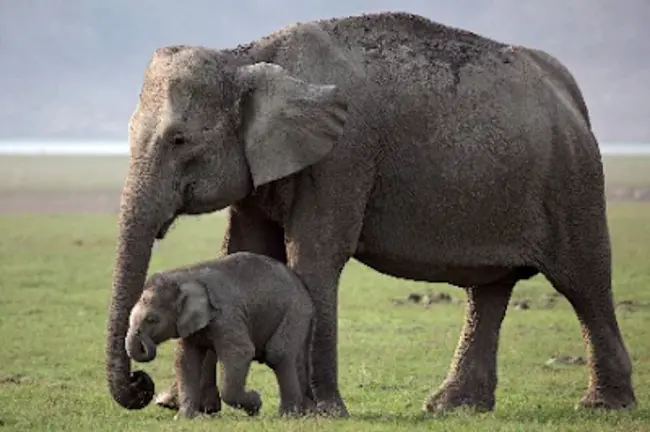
{"points": [[289, 124], [193, 308]]}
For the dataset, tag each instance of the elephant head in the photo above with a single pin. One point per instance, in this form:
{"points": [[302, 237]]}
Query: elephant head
{"points": [[165, 310], [206, 131]]}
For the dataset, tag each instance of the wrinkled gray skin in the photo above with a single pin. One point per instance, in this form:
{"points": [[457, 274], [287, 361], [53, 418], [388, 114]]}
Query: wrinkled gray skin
{"points": [[241, 308], [425, 152]]}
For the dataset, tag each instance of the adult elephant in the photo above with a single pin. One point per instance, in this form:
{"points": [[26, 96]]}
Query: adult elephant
{"points": [[424, 151]]}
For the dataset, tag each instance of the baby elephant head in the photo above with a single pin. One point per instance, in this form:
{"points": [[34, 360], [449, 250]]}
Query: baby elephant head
{"points": [[166, 310]]}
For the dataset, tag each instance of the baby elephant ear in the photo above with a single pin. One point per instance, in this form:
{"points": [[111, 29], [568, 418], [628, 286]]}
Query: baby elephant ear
{"points": [[289, 124], [193, 308]]}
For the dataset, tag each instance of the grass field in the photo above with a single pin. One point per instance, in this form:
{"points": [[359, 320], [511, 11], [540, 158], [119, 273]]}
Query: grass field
{"points": [[55, 272]]}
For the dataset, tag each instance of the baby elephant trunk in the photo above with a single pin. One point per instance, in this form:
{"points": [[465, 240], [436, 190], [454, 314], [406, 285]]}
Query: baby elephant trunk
{"points": [[140, 347]]}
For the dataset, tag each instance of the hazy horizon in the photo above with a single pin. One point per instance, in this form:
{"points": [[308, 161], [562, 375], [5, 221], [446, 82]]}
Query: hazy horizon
{"points": [[72, 69], [121, 147]]}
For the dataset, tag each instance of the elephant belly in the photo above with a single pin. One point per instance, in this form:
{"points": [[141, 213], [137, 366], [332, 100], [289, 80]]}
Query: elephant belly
{"points": [[439, 240], [462, 276], [472, 252]]}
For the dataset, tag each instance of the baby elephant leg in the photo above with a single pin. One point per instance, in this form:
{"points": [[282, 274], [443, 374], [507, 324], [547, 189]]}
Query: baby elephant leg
{"points": [[235, 365], [285, 354], [169, 399], [210, 399], [291, 394], [188, 375]]}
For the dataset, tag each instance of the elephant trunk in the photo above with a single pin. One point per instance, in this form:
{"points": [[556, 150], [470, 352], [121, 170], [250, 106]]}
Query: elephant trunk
{"points": [[140, 347], [138, 223]]}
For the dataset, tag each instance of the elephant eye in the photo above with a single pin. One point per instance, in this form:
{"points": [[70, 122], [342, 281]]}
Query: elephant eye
{"points": [[151, 319], [179, 140]]}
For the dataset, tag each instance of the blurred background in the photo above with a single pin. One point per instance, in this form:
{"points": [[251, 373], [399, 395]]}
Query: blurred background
{"points": [[71, 69], [70, 75]]}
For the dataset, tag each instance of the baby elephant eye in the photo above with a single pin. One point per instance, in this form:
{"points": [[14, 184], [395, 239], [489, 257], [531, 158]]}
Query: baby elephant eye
{"points": [[179, 140], [151, 319]]}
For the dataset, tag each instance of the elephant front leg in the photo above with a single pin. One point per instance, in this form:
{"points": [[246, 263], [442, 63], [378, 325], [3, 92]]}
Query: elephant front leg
{"points": [[234, 370], [210, 398], [169, 398], [472, 378], [321, 279], [188, 374]]}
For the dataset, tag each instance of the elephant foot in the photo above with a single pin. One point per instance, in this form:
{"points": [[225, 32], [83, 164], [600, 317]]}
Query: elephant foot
{"points": [[454, 395], [292, 411], [253, 411], [250, 402], [210, 401], [168, 399], [619, 399], [309, 406], [187, 414], [332, 407]]}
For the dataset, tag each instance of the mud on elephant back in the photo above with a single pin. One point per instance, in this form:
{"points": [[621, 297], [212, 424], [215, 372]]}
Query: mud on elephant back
{"points": [[426, 152]]}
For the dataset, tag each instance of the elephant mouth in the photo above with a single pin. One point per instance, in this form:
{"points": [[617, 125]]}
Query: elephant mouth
{"points": [[140, 347], [195, 209], [164, 228]]}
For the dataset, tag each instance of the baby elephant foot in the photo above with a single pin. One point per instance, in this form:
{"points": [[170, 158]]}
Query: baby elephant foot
{"points": [[306, 407], [453, 395], [251, 403], [210, 401], [294, 410], [186, 413], [332, 407], [608, 400], [168, 399]]}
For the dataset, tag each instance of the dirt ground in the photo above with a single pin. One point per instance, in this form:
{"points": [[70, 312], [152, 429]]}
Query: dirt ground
{"points": [[109, 201]]}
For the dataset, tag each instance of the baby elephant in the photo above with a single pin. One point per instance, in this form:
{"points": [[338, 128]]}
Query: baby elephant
{"points": [[243, 307]]}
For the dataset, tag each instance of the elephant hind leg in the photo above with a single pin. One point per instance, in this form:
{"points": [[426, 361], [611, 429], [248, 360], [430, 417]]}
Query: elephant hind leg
{"points": [[472, 377], [287, 354], [585, 280]]}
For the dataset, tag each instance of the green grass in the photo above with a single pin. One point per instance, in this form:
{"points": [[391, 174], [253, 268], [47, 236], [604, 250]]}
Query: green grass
{"points": [[27, 173], [62, 173], [55, 278], [55, 273]]}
